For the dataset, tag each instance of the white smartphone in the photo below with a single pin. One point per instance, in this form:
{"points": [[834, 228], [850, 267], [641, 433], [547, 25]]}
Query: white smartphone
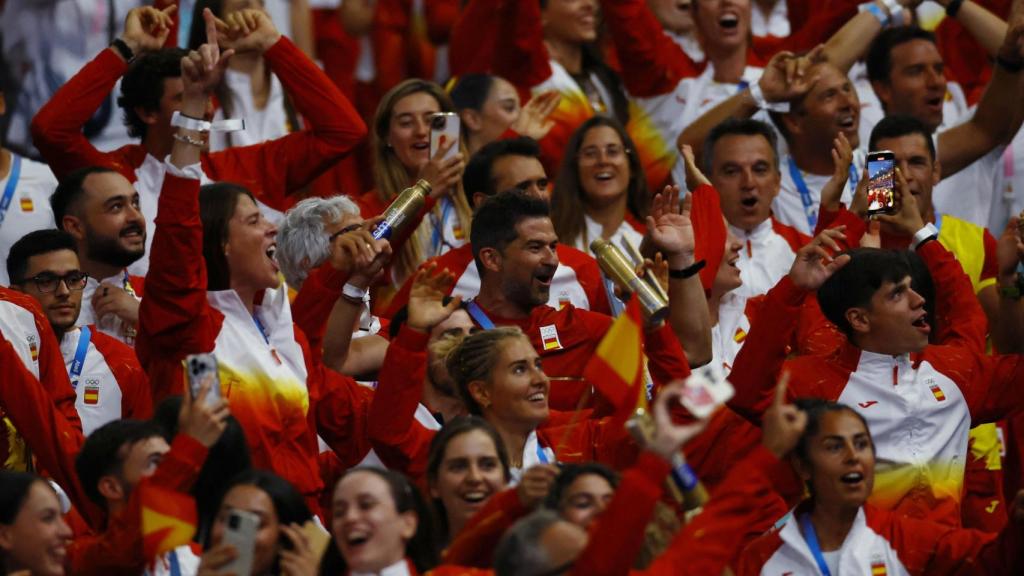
{"points": [[445, 124], [202, 368], [706, 389], [240, 532]]}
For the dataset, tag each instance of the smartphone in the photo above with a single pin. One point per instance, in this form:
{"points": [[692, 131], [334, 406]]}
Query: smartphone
{"points": [[445, 124], [201, 368], [881, 182], [240, 532], [705, 390]]}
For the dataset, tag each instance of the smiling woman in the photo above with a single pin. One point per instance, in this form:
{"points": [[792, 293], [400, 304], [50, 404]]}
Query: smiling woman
{"points": [[33, 535]]}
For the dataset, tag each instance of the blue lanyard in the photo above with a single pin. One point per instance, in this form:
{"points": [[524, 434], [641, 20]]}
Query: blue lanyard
{"points": [[938, 221], [12, 183], [259, 325], [742, 86], [540, 453], [854, 177], [480, 316], [812, 542], [173, 559], [76, 365], [437, 239], [810, 210]]}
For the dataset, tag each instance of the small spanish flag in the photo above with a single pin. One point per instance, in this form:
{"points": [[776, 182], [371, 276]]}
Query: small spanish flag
{"points": [[878, 568], [458, 232], [33, 350], [91, 395], [168, 519], [937, 392], [616, 368], [549, 337], [27, 205], [740, 335]]}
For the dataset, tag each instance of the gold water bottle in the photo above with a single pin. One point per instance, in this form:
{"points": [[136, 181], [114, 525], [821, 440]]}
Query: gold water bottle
{"points": [[402, 210], [617, 267]]}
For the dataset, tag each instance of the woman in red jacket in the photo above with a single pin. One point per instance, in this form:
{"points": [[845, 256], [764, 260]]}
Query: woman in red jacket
{"points": [[33, 534], [601, 191]]}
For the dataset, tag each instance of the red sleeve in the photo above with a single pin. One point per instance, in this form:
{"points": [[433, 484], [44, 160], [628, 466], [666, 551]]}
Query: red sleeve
{"points": [[399, 440], [54, 440], [136, 400], [819, 28], [175, 318], [709, 229], [652, 63], [855, 227], [389, 38], [474, 545], [667, 360], [618, 535], [57, 127], [119, 549], [313, 304], [990, 266], [959, 318], [342, 409], [743, 506], [471, 43], [440, 16], [274, 169], [521, 56], [762, 355]]}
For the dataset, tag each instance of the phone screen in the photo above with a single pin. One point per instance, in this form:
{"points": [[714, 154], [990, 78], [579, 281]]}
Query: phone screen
{"points": [[881, 179]]}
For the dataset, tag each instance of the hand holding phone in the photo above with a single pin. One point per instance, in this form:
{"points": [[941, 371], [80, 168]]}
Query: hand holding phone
{"points": [[240, 532], [706, 389], [202, 369], [445, 125], [881, 182]]}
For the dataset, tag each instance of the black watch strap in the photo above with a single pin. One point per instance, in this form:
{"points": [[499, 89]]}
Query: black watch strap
{"points": [[122, 48], [687, 272], [953, 8]]}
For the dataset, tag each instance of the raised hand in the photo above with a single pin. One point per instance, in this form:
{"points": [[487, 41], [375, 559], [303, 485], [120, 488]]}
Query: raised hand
{"points": [[785, 78], [301, 559], [429, 288], [534, 117], [146, 28], [200, 420], [249, 30], [814, 264], [203, 69], [215, 558], [872, 238], [668, 438], [535, 484], [842, 158], [110, 299], [1010, 251], [859, 203], [694, 177], [782, 424], [443, 173], [671, 229], [907, 219]]}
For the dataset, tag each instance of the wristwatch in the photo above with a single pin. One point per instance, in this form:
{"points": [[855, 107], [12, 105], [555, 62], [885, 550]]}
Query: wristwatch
{"points": [[928, 232], [1015, 290]]}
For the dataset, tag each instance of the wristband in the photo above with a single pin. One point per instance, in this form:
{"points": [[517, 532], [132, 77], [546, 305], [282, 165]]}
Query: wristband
{"points": [[953, 8], [895, 12], [757, 95], [877, 12], [683, 476], [1009, 65], [122, 48], [180, 120], [355, 294], [189, 140], [687, 272], [928, 232]]}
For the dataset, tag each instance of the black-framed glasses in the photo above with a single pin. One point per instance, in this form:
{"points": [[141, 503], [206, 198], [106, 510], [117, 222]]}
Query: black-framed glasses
{"points": [[48, 282], [345, 230]]}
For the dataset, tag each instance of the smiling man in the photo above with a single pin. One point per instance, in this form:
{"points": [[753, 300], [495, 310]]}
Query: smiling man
{"points": [[99, 208], [108, 381]]}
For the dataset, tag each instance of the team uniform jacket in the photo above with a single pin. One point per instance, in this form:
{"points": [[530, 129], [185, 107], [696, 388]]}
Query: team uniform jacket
{"points": [[112, 384], [403, 444], [671, 90], [23, 325], [768, 253], [885, 543], [277, 393], [29, 209], [566, 338], [111, 325], [577, 280], [270, 170], [918, 406]]}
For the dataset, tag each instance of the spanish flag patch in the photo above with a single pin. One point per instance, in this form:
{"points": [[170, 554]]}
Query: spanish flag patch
{"points": [[878, 568], [91, 394], [549, 337], [937, 392], [27, 205], [739, 336]]}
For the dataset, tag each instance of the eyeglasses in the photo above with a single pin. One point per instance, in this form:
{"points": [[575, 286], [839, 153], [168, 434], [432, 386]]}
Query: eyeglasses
{"points": [[48, 282], [345, 230], [592, 154]]}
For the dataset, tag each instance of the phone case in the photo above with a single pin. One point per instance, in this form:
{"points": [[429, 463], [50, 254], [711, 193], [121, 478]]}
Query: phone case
{"points": [[240, 532], [199, 368], [445, 124]]}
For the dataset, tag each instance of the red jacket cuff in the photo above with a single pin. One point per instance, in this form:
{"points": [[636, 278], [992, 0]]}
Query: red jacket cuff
{"points": [[329, 277], [283, 44], [411, 339], [189, 450], [652, 468], [788, 293]]}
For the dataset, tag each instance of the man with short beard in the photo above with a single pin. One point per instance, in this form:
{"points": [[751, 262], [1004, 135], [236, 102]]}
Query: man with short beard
{"points": [[100, 209]]}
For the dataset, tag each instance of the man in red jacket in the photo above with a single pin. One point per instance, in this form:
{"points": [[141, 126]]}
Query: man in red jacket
{"points": [[151, 90], [109, 382]]}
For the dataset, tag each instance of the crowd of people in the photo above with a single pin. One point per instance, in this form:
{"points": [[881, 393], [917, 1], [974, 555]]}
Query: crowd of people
{"points": [[213, 313]]}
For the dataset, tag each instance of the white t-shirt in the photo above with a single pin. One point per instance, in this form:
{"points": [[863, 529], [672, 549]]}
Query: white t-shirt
{"points": [[788, 206], [261, 125], [29, 208], [774, 22]]}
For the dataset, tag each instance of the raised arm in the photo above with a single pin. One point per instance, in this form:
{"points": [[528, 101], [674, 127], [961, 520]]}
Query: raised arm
{"points": [[520, 55], [274, 169], [998, 115], [57, 127], [987, 28], [652, 63], [472, 39]]}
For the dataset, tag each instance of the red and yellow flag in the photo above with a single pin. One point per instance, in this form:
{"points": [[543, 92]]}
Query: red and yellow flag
{"points": [[616, 368], [168, 519]]}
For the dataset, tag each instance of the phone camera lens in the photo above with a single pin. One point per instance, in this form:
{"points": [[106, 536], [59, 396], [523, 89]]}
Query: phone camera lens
{"points": [[438, 122]]}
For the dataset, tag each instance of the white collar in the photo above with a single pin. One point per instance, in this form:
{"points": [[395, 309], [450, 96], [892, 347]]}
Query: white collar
{"points": [[400, 568], [760, 232], [532, 455], [791, 535]]}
